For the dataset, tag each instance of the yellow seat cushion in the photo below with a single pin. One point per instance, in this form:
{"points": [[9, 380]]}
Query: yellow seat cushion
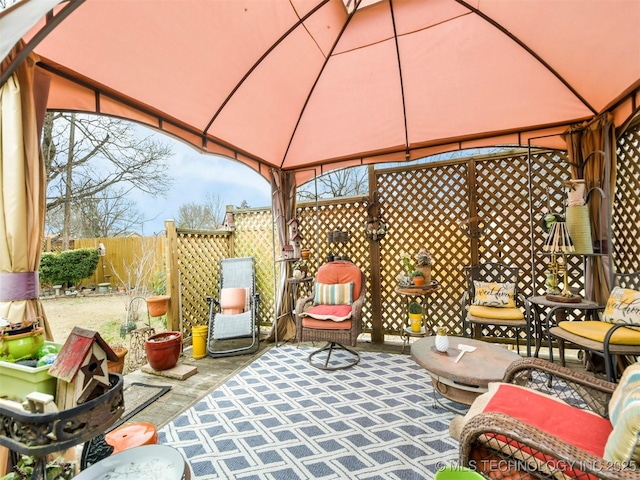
{"points": [[498, 313], [595, 330]]}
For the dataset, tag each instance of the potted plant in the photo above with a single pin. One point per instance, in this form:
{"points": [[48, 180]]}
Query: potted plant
{"points": [[20, 340], [418, 278], [56, 469], [415, 316], [423, 262]]}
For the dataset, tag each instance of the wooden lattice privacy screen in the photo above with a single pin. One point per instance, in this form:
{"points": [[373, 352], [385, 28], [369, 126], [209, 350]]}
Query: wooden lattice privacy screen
{"points": [[626, 203], [427, 206], [423, 205], [194, 270]]}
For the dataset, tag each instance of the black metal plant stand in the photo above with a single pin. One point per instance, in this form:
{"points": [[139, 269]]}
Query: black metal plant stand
{"points": [[39, 434]]}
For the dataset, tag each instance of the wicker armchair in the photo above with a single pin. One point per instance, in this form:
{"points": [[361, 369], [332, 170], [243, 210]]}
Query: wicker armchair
{"points": [[500, 446], [338, 325]]}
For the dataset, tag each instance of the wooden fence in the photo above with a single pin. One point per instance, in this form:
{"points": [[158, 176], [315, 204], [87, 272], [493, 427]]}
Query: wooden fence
{"points": [[424, 205], [130, 263]]}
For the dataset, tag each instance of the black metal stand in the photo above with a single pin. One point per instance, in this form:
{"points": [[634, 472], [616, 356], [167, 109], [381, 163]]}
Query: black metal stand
{"points": [[95, 450], [330, 346], [38, 434]]}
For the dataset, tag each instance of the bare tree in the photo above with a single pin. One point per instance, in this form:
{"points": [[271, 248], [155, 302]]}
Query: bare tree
{"points": [[107, 215], [110, 214], [215, 206], [348, 182], [55, 223], [207, 215], [86, 155]]}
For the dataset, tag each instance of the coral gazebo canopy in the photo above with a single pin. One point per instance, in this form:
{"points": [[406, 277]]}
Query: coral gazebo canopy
{"points": [[320, 84]]}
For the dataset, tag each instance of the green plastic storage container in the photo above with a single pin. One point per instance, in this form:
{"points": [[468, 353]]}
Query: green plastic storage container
{"points": [[17, 381]]}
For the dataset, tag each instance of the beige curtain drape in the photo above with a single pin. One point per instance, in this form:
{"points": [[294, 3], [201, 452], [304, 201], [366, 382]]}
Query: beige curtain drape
{"points": [[283, 191], [592, 155], [22, 191]]}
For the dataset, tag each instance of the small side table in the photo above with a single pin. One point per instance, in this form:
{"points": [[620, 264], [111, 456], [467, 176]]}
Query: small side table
{"points": [[408, 333], [296, 283], [412, 292], [540, 303]]}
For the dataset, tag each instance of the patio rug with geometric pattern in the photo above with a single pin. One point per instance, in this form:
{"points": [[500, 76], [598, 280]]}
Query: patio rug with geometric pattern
{"points": [[281, 418]]}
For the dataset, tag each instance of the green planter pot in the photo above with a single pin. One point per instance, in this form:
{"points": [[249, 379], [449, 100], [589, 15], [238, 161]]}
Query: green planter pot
{"points": [[22, 345]]}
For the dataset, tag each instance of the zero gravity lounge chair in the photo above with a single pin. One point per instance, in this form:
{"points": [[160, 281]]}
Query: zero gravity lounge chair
{"points": [[233, 317]]}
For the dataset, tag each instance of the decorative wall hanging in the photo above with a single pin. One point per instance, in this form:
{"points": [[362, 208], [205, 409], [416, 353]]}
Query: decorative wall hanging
{"points": [[375, 229]]}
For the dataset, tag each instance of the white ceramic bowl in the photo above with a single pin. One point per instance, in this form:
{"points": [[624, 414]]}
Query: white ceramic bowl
{"points": [[158, 462]]}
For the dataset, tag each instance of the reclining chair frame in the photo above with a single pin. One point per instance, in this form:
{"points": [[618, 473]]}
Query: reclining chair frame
{"points": [[235, 273]]}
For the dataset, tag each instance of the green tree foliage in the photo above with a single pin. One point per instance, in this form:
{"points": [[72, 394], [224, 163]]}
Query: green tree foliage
{"points": [[67, 268]]}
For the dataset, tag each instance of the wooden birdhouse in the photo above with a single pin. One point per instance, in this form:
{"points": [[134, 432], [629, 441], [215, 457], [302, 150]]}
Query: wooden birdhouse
{"points": [[287, 253], [81, 368], [295, 239]]}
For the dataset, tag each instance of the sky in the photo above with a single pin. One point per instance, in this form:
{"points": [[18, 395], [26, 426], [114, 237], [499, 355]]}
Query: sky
{"points": [[196, 175]]}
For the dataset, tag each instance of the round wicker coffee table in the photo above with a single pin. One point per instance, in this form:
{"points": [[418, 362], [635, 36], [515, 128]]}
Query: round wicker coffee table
{"points": [[462, 382]]}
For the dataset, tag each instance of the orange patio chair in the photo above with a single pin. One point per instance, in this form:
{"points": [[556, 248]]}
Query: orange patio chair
{"points": [[333, 313]]}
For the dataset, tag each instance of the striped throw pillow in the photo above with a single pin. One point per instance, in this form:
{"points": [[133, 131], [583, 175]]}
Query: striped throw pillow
{"points": [[333, 294], [624, 412]]}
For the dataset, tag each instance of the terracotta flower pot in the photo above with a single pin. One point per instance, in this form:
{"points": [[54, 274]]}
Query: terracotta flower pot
{"points": [[163, 349], [233, 300], [158, 305], [426, 272], [118, 366]]}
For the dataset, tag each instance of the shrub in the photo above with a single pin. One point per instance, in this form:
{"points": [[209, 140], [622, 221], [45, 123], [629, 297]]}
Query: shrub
{"points": [[159, 283], [69, 267]]}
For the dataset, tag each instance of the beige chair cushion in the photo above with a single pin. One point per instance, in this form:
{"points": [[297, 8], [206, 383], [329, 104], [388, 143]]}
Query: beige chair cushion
{"points": [[623, 306]]}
